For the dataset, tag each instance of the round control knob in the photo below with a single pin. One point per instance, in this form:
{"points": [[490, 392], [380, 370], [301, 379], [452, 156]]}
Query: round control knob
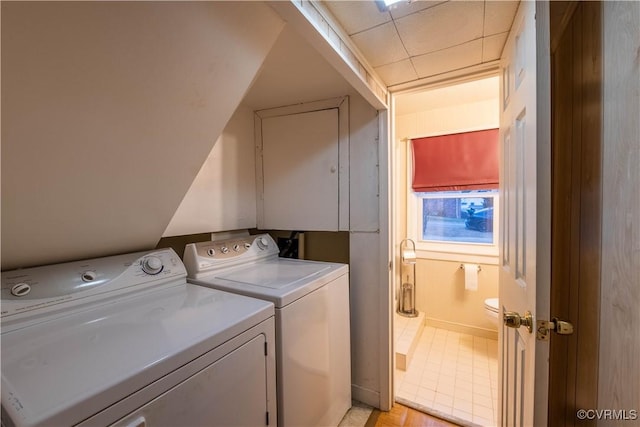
{"points": [[211, 252], [236, 248], [89, 276], [263, 243], [20, 289], [152, 265], [224, 249]]}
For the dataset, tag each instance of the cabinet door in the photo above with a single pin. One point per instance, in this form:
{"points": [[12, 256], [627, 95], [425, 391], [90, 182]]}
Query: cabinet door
{"points": [[300, 165]]}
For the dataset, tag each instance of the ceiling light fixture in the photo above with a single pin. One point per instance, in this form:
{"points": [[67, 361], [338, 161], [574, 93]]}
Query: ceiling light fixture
{"points": [[386, 5]]}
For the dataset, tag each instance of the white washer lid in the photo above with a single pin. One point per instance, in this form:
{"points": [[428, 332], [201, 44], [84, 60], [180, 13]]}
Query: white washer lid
{"points": [[492, 304], [274, 275], [62, 371], [280, 280]]}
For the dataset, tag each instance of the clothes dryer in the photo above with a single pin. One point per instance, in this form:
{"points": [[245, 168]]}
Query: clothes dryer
{"points": [[312, 320], [126, 341]]}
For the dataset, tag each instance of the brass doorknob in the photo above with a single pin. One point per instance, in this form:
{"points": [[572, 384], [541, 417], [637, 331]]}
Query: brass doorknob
{"points": [[515, 320]]}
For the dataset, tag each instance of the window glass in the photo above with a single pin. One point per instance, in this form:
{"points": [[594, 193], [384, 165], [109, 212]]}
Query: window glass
{"points": [[460, 217]]}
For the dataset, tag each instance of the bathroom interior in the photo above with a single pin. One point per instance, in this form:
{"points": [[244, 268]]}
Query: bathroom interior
{"points": [[446, 306]]}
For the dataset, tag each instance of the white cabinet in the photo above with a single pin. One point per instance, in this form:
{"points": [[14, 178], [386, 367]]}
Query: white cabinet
{"points": [[302, 167]]}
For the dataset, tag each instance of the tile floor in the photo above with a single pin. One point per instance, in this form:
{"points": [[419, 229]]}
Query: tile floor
{"points": [[454, 375]]}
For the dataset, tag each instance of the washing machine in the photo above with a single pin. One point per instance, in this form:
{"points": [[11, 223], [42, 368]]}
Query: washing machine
{"points": [[313, 361], [126, 341]]}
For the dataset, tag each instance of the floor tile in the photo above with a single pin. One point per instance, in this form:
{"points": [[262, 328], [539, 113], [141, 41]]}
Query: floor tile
{"points": [[447, 410], [482, 412], [426, 394], [482, 391], [462, 414], [455, 374], [463, 405], [484, 401], [460, 394]]}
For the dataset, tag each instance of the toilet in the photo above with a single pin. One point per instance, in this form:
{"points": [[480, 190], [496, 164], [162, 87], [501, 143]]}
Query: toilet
{"points": [[491, 307]]}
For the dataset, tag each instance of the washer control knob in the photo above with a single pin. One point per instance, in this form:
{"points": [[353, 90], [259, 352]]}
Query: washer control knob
{"points": [[211, 252], [152, 265], [224, 249], [263, 243], [20, 289], [236, 248], [89, 276]]}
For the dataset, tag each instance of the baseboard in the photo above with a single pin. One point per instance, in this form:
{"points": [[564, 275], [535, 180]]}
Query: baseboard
{"points": [[464, 329], [364, 395]]}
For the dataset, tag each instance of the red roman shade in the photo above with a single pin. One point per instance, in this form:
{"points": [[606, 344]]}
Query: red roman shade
{"points": [[459, 161]]}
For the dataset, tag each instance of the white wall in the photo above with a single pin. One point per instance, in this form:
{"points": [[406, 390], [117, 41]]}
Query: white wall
{"points": [[440, 292], [109, 110], [223, 194]]}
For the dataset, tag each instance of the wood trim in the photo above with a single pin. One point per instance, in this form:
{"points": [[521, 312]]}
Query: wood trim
{"points": [[475, 72], [543, 203], [257, 128], [570, 8], [323, 104], [576, 214]]}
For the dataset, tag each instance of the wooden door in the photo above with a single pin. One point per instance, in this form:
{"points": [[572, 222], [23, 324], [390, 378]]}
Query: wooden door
{"points": [[523, 168]]}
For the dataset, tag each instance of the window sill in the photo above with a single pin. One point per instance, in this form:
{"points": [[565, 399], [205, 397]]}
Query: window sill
{"points": [[457, 257]]}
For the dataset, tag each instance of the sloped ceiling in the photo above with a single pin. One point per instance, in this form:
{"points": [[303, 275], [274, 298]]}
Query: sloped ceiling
{"points": [[294, 72], [420, 39], [109, 110]]}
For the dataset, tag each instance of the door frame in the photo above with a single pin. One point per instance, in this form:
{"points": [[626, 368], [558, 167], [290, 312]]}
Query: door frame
{"points": [[543, 216], [577, 193], [543, 203], [396, 183]]}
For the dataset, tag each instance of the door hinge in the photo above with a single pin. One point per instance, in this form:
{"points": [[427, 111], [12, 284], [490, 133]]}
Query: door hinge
{"points": [[560, 327]]}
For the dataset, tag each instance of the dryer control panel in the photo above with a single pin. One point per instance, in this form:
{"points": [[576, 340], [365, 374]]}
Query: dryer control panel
{"points": [[40, 289], [206, 257]]}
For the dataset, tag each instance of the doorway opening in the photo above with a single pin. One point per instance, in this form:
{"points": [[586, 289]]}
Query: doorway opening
{"points": [[446, 357]]}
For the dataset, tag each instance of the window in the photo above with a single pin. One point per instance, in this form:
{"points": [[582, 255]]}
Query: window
{"points": [[464, 222], [458, 216], [453, 196]]}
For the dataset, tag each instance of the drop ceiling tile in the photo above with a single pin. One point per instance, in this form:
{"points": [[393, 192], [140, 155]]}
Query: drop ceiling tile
{"points": [[406, 8], [397, 72], [356, 16], [492, 46], [464, 55], [381, 45], [498, 16], [446, 25]]}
